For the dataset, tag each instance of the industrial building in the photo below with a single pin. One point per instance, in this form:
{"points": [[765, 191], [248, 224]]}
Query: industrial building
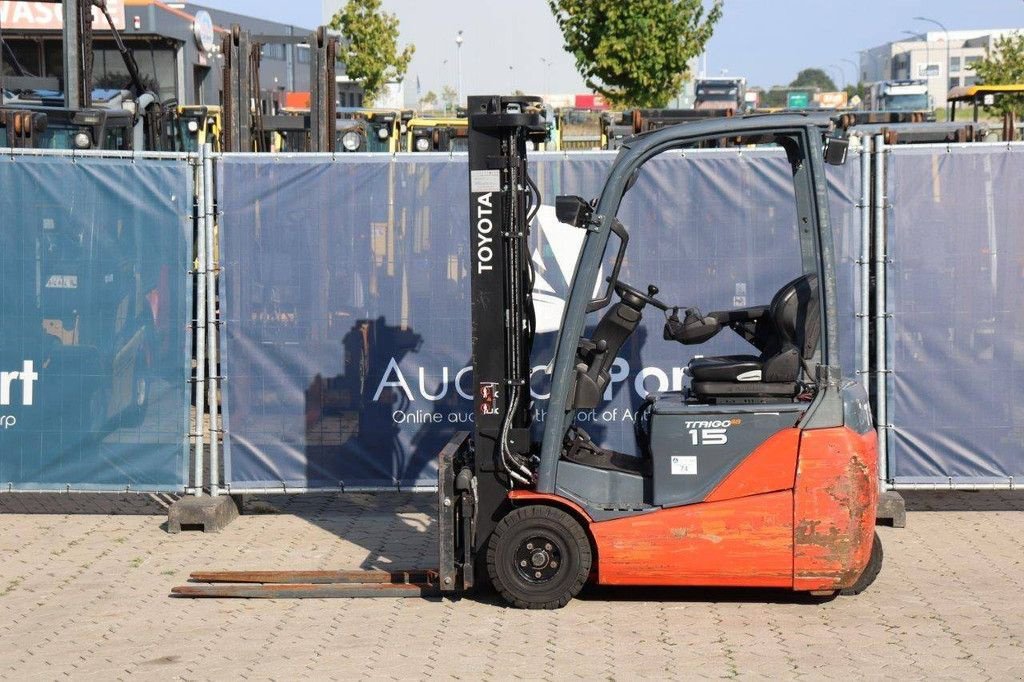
{"points": [[177, 46], [944, 58]]}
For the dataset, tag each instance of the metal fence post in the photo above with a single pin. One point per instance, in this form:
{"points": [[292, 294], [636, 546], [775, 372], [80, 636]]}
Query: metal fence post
{"points": [[200, 267], [212, 269], [863, 313], [881, 392]]}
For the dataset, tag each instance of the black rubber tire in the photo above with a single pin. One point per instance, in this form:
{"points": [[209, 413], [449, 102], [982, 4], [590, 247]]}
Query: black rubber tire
{"points": [[566, 537], [870, 571]]}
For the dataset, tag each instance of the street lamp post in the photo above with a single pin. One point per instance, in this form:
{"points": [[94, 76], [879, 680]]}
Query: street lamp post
{"points": [[856, 70], [842, 76], [458, 56], [547, 73], [946, 34]]}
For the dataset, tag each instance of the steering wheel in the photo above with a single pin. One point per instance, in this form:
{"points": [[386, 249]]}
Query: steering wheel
{"points": [[627, 292]]}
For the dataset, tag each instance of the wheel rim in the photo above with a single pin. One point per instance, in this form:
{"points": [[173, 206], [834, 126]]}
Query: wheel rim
{"points": [[538, 559]]}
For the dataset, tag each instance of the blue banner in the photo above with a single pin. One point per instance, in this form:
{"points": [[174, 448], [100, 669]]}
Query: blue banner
{"points": [[345, 297], [94, 307], [956, 335]]}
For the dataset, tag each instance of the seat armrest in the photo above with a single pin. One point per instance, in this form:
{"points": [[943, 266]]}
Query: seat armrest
{"points": [[751, 314]]}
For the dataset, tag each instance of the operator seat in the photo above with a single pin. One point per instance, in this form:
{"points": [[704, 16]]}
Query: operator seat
{"points": [[786, 333]]}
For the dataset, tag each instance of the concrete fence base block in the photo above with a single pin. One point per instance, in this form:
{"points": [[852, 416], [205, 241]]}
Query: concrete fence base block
{"points": [[208, 514], [892, 508]]}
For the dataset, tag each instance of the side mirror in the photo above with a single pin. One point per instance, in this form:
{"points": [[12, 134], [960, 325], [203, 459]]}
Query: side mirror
{"points": [[573, 210], [836, 149]]}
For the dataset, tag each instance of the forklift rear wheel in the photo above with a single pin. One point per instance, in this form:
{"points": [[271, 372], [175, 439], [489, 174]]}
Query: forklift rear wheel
{"points": [[538, 557], [870, 571]]}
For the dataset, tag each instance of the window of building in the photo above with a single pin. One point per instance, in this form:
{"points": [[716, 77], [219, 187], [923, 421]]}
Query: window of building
{"points": [[27, 53], [954, 82], [157, 67], [969, 61], [970, 80], [53, 58], [928, 70], [303, 54], [274, 51], [954, 64]]}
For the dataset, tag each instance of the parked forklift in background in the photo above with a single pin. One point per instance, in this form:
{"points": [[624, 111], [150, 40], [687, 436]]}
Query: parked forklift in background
{"points": [[195, 125], [762, 473], [69, 113], [255, 121]]}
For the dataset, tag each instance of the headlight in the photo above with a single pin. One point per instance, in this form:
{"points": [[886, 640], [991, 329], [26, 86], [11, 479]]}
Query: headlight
{"points": [[82, 140], [350, 141], [193, 126], [382, 133], [422, 144]]}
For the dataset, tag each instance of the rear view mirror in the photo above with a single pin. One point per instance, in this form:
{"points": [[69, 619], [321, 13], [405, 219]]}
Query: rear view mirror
{"points": [[835, 150], [573, 210]]}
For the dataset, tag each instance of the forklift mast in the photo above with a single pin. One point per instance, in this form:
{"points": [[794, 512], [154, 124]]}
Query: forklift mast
{"points": [[245, 123], [503, 200]]}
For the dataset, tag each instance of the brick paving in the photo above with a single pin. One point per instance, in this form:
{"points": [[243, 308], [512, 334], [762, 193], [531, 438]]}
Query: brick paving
{"points": [[83, 594]]}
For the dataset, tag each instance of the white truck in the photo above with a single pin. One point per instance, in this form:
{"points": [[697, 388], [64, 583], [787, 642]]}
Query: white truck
{"points": [[720, 93], [898, 95]]}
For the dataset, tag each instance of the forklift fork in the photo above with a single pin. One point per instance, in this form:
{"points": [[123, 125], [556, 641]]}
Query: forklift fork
{"points": [[456, 523]]}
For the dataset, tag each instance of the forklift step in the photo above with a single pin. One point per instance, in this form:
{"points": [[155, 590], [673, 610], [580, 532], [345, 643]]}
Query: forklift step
{"points": [[310, 584]]}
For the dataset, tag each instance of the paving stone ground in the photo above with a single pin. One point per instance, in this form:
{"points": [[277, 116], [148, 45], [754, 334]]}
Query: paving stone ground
{"points": [[84, 594]]}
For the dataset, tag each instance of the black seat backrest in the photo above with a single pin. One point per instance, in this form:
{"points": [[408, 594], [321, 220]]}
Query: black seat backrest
{"points": [[796, 314]]}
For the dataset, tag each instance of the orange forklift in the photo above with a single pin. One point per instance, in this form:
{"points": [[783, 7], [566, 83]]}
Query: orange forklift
{"points": [[761, 473]]}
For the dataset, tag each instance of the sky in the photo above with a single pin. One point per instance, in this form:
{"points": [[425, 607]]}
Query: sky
{"points": [[767, 41]]}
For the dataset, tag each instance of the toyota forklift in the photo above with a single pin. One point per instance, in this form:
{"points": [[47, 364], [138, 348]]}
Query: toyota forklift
{"points": [[762, 473]]}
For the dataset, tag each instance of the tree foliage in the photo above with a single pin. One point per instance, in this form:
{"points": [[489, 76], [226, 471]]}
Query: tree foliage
{"points": [[429, 100], [372, 56], [814, 78], [449, 97], [1005, 66], [635, 53]]}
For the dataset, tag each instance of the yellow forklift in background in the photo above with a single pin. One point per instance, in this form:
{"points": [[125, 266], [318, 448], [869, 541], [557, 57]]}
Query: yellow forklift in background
{"points": [[194, 126], [442, 134]]}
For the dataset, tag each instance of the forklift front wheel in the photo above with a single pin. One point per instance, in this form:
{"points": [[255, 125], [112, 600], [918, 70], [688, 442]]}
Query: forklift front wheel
{"points": [[538, 557]]}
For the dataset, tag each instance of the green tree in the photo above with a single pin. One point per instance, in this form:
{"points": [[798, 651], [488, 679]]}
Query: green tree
{"points": [[635, 53], [774, 98], [429, 100], [1005, 66], [372, 56], [814, 78], [449, 97]]}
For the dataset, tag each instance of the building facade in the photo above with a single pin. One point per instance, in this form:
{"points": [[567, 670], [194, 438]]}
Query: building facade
{"points": [[176, 44], [924, 57]]}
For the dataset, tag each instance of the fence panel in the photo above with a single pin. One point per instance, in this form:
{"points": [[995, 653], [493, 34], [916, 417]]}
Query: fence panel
{"points": [[94, 305], [345, 297], [956, 339]]}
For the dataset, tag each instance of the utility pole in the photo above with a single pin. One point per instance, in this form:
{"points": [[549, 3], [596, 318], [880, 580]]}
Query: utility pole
{"points": [[458, 56]]}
